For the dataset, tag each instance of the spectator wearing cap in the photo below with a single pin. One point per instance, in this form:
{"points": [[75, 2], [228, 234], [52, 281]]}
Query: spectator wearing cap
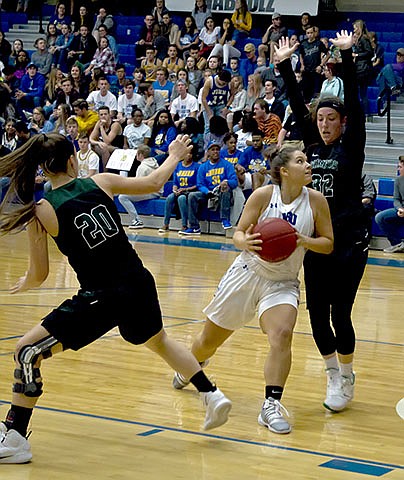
{"points": [[392, 75], [31, 91], [216, 179], [185, 105], [248, 67], [271, 37]]}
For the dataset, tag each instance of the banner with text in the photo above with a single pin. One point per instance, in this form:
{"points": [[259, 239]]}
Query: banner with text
{"points": [[264, 7]]}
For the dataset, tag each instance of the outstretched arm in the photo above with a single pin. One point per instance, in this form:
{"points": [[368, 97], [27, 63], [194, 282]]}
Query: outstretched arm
{"points": [[354, 137], [114, 184], [284, 52]]}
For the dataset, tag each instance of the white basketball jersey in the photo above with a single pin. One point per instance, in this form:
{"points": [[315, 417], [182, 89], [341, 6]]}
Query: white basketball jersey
{"points": [[300, 216]]}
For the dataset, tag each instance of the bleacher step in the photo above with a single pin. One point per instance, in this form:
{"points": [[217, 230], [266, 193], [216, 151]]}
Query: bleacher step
{"points": [[379, 137], [384, 151], [396, 120]]}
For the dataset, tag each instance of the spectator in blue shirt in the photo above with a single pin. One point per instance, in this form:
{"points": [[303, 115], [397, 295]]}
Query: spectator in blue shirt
{"points": [[184, 176], [60, 18], [216, 179], [254, 161], [31, 91], [163, 133], [163, 85], [229, 150], [231, 153]]}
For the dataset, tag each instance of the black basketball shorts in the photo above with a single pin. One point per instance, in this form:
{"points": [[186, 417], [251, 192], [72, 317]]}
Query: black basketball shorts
{"points": [[133, 308]]}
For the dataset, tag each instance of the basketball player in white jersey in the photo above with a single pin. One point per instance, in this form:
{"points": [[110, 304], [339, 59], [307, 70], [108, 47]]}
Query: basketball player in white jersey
{"points": [[271, 289]]}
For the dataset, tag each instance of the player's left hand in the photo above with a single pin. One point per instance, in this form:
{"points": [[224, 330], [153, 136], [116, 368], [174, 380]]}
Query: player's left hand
{"points": [[252, 240]]}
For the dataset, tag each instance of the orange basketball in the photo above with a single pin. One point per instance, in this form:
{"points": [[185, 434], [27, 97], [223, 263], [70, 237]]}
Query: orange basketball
{"points": [[278, 239]]}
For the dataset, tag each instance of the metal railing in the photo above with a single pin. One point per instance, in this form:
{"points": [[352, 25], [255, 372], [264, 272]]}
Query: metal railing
{"points": [[383, 108]]}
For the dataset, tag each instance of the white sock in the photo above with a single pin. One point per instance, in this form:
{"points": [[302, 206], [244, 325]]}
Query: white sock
{"points": [[331, 362], [346, 369]]}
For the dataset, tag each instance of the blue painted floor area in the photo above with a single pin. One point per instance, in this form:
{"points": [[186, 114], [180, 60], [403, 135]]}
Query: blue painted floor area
{"points": [[210, 245], [338, 461], [357, 467]]}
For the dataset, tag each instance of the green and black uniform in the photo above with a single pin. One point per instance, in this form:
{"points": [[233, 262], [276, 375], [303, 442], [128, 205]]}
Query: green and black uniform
{"points": [[332, 281], [115, 288]]}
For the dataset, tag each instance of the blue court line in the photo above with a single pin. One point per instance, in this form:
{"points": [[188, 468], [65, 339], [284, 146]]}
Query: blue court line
{"points": [[356, 467], [229, 247], [217, 437], [150, 432]]}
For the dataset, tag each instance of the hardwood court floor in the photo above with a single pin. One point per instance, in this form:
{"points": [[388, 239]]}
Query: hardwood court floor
{"points": [[109, 411]]}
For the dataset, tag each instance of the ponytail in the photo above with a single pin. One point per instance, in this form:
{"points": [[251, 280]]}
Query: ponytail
{"points": [[51, 152]]}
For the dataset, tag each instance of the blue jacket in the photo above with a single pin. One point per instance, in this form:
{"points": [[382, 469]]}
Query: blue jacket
{"points": [[210, 175], [33, 87]]}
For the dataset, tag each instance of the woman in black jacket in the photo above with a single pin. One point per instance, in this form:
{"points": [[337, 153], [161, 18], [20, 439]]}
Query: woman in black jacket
{"points": [[335, 148]]}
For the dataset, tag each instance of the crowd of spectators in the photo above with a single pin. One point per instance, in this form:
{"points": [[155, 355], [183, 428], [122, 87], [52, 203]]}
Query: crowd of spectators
{"points": [[205, 76]]}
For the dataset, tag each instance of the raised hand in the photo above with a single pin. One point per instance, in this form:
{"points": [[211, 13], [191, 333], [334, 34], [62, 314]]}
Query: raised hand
{"points": [[343, 40], [181, 146], [284, 50]]}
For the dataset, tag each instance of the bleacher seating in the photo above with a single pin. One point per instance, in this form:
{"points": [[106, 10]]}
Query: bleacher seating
{"points": [[156, 206], [384, 201], [388, 26]]}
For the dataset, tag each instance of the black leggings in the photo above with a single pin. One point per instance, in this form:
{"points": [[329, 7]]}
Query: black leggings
{"points": [[331, 285]]}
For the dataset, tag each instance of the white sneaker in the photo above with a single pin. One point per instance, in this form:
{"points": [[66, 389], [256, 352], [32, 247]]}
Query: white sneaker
{"points": [[217, 408], [164, 229], [335, 401], [271, 416], [14, 448], [348, 386], [395, 248], [180, 382], [136, 224]]}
